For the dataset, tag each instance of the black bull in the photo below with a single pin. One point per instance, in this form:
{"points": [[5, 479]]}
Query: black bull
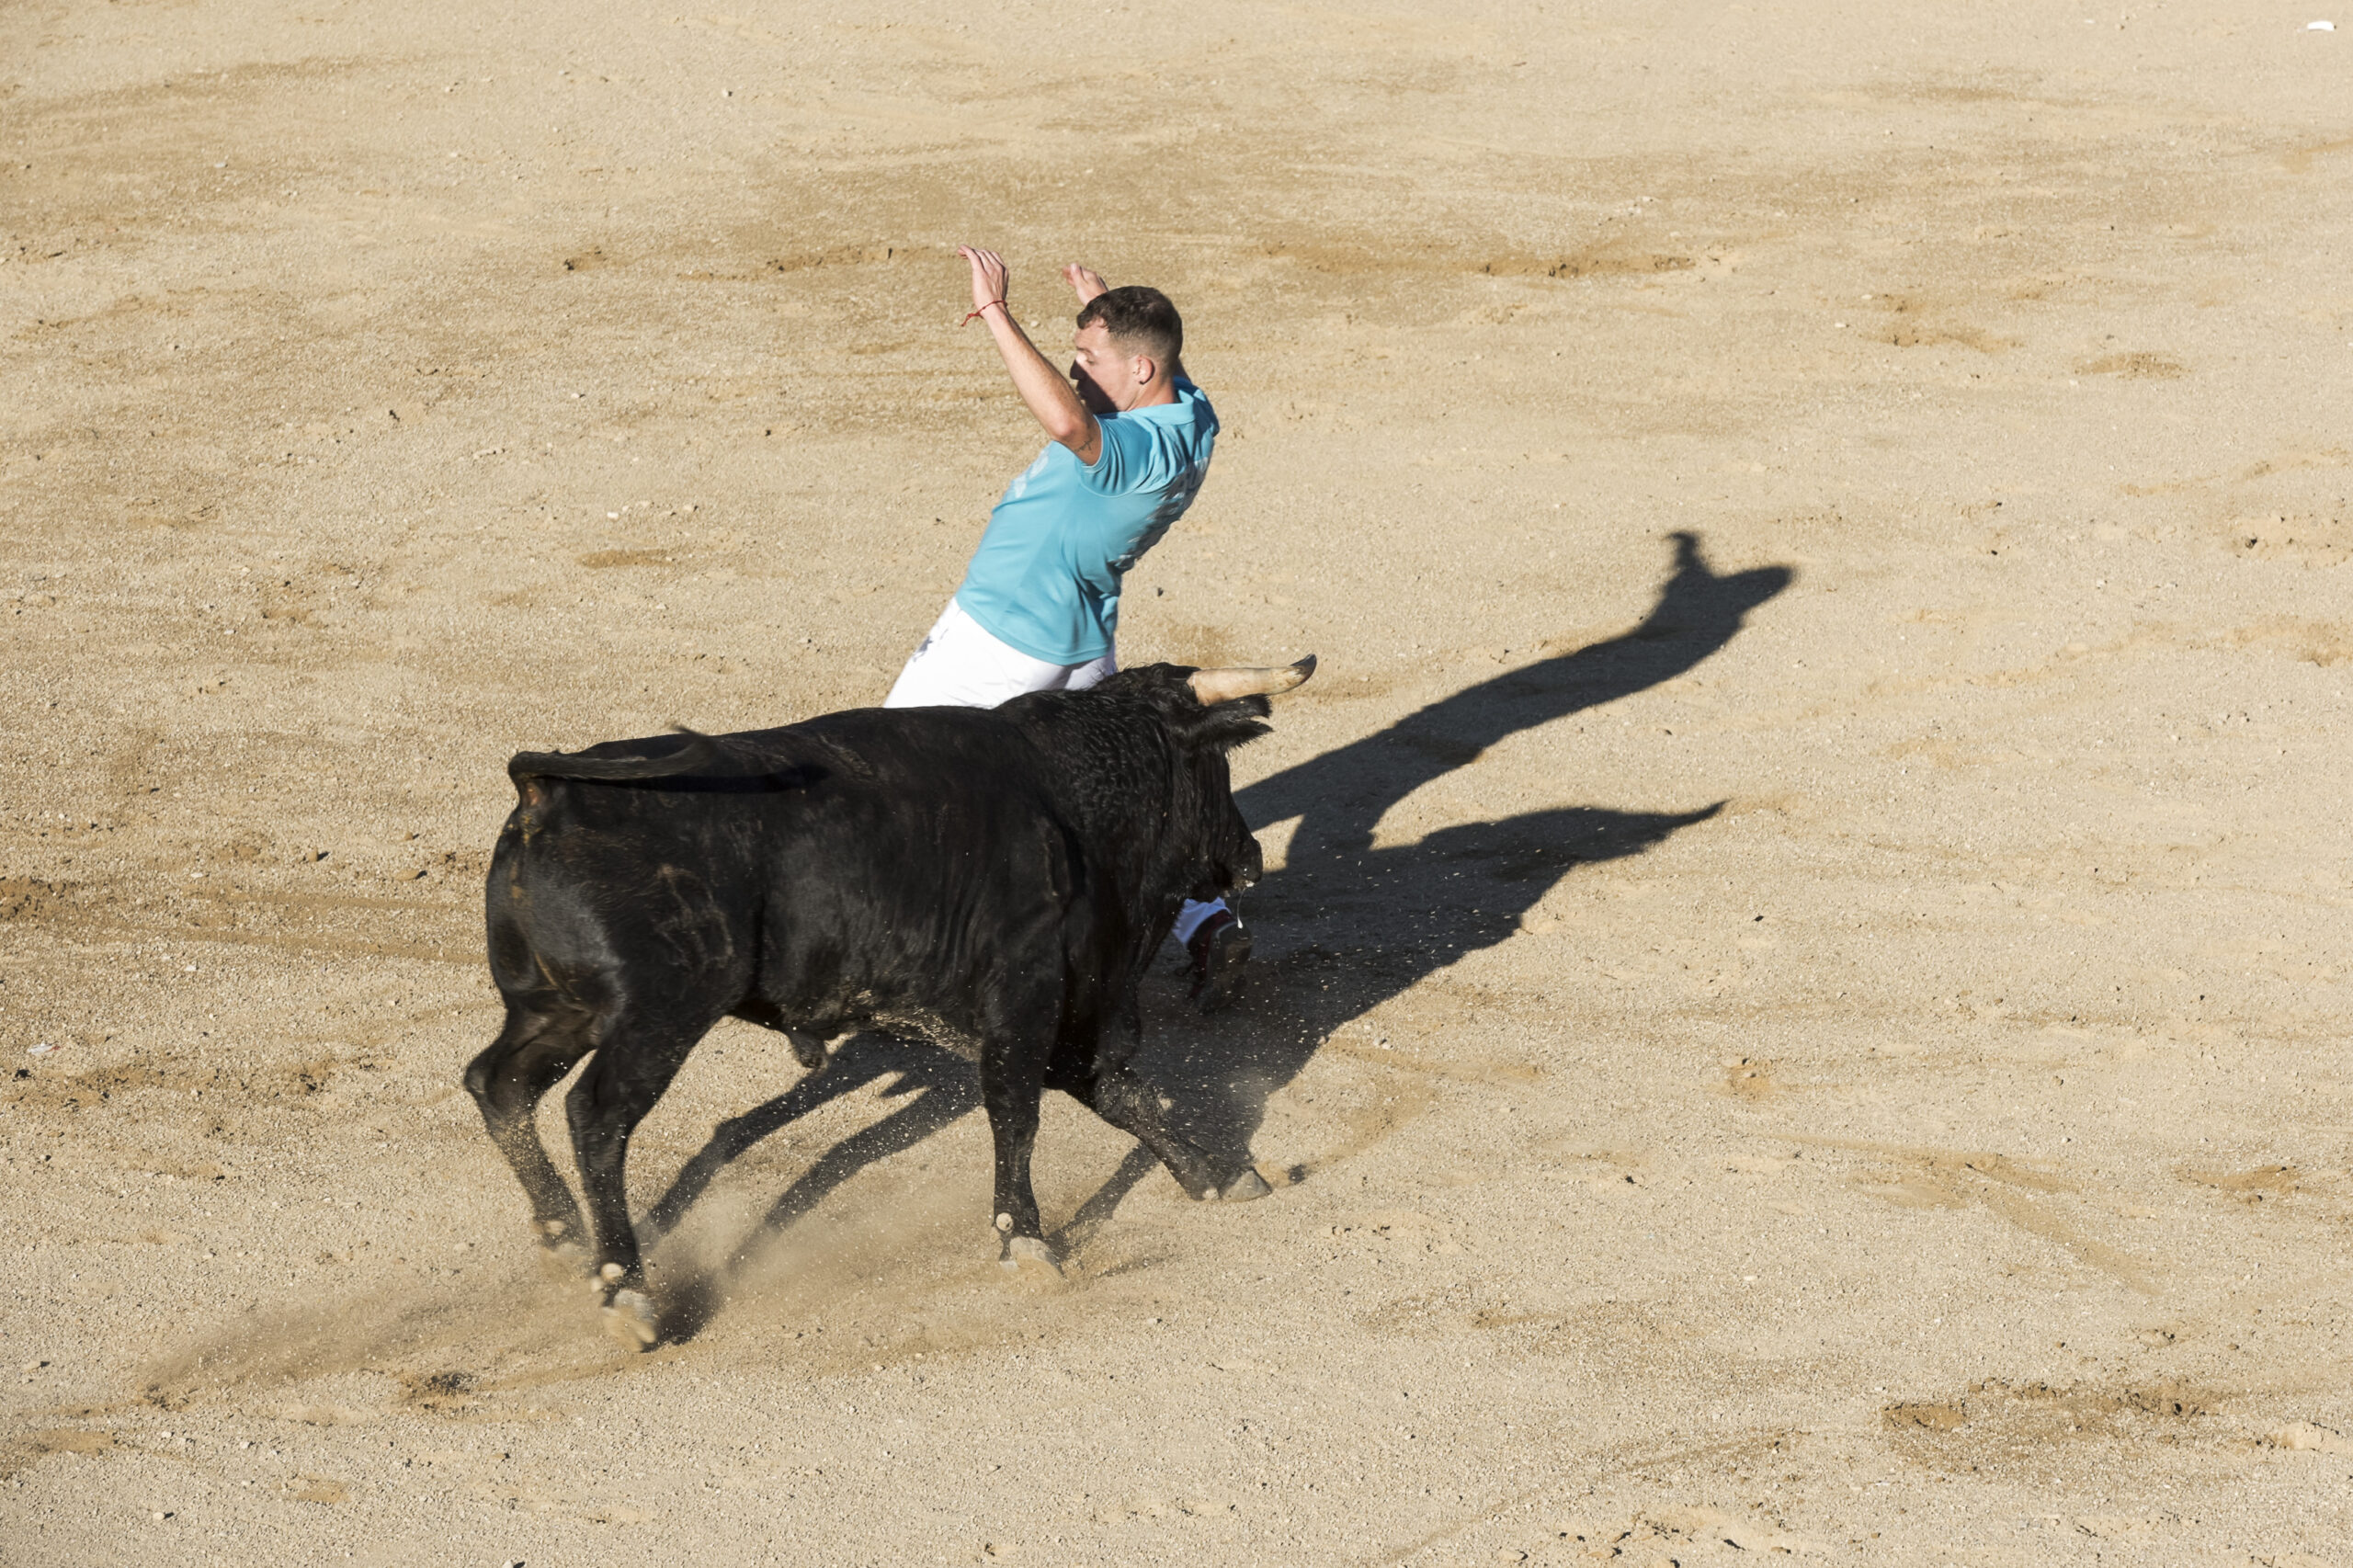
{"points": [[993, 879]]}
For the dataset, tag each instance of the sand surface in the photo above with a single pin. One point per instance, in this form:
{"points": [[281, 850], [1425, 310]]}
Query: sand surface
{"points": [[1804, 979]]}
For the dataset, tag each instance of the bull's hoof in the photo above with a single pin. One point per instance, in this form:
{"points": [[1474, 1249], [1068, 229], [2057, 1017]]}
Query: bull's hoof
{"points": [[1244, 1188], [567, 1261], [630, 1317], [563, 1254], [1029, 1254]]}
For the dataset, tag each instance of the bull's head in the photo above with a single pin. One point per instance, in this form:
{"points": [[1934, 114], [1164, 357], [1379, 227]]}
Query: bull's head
{"points": [[1228, 706]]}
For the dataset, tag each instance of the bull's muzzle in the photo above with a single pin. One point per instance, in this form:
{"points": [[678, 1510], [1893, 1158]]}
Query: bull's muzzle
{"points": [[1224, 686]]}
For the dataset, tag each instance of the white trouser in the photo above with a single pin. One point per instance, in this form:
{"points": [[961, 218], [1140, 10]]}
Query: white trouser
{"points": [[960, 664]]}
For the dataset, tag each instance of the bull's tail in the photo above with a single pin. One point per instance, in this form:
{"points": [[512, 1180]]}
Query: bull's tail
{"points": [[697, 756]]}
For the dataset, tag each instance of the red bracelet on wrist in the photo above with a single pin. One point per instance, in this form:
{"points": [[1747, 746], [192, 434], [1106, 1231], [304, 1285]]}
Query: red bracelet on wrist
{"points": [[984, 311]]}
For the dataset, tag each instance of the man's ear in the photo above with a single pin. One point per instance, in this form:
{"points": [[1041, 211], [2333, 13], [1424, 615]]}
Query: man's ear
{"points": [[1143, 367]]}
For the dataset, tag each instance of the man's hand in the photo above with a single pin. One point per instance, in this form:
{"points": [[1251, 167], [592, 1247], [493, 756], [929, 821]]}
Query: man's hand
{"points": [[1044, 392], [1085, 281], [988, 277]]}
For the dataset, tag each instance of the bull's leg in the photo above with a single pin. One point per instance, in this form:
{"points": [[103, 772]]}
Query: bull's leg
{"points": [[638, 1054], [530, 1057], [1012, 1077], [1130, 1104], [808, 1048]]}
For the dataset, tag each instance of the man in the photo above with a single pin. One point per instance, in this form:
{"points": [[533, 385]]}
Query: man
{"points": [[1039, 609]]}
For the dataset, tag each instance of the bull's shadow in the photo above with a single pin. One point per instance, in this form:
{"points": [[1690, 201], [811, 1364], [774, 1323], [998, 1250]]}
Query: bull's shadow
{"points": [[942, 1086], [1347, 925], [1350, 932]]}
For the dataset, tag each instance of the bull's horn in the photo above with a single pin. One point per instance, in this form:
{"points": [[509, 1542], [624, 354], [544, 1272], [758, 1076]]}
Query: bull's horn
{"points": [[1224, 685]]}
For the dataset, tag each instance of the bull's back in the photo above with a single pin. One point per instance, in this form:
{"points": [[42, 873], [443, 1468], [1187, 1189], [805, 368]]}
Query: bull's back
{"points": [[909, 891], [873, 858]]}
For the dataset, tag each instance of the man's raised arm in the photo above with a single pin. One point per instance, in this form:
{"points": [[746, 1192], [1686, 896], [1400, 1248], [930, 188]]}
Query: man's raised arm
{"points": [[1050, 396]]}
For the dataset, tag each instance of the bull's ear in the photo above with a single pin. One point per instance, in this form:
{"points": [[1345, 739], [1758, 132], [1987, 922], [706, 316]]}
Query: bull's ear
{"points": [[1224, 724]]}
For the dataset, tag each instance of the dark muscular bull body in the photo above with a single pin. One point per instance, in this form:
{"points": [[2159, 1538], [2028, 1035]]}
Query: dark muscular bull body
{"points": [[993, 879]]}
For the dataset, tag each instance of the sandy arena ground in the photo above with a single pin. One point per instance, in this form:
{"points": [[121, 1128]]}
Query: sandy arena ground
{"points": [[1803, 993]]}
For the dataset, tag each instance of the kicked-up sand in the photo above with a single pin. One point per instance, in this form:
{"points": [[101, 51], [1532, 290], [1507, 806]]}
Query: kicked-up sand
{"points": [[1803, 976]]}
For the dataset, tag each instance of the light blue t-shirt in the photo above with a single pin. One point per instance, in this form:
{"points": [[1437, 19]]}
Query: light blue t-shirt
{"points": [[1046, 578]]}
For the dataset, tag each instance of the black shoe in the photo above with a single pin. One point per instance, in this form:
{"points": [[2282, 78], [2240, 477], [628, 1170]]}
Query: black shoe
{"points": [[1221, 950]]}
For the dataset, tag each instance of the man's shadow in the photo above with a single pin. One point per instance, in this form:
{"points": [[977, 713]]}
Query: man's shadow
{"points": [[1341, 795], [1359, 924], [1376, 922]]}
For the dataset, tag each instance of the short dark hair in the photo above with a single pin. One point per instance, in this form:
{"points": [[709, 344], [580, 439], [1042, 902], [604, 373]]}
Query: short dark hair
{"points": [[1140, 318]]}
